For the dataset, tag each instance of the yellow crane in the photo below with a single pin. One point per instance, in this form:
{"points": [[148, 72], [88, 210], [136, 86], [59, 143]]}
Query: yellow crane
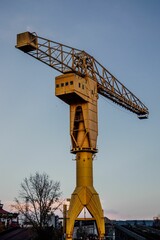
{"points": [[82, 79]]}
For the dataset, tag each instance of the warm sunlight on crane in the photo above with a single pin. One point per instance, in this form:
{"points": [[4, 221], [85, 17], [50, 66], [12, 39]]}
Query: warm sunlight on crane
{"points": [[82, 79]]}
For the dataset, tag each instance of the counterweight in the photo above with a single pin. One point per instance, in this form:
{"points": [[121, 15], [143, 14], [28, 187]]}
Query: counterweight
{"points": [[82, 79]]}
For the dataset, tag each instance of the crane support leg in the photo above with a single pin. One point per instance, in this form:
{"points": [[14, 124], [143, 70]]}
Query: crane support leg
{"points": [[85, 195]]}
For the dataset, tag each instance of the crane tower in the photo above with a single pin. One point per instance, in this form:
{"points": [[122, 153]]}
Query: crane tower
{"points": [[82, 79]]}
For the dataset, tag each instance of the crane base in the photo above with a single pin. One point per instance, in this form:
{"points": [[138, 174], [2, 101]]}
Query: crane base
{"points": [[85, 196]]}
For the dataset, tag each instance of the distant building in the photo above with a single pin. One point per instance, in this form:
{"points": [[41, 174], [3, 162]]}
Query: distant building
{"points": [[7, 219]]}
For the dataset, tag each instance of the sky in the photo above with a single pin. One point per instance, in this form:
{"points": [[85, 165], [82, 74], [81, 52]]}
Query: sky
{"points": [[124, 36]]}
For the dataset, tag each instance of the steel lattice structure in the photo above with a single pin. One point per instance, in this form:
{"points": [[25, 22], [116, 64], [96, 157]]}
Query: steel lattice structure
{"points": [[67, 59]]}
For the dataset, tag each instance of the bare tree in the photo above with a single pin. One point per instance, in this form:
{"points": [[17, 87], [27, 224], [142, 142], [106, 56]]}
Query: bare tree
{"points": [[38, 199]]}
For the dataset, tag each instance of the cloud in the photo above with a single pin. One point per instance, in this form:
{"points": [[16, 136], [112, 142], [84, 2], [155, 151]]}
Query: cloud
{"points": [[29, 29], [112, 214], [115, 215]]}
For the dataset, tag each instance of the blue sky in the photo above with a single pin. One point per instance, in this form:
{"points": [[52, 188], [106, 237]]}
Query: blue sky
{"points": [[124, 37]]}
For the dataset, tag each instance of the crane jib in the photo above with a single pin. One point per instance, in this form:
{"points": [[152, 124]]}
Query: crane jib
{"points": [[67, 59]]}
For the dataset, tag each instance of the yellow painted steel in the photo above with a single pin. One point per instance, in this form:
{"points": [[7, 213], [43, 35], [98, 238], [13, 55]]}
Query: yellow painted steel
{"points": [[81, 94], [83, 78], [85, 195]]}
